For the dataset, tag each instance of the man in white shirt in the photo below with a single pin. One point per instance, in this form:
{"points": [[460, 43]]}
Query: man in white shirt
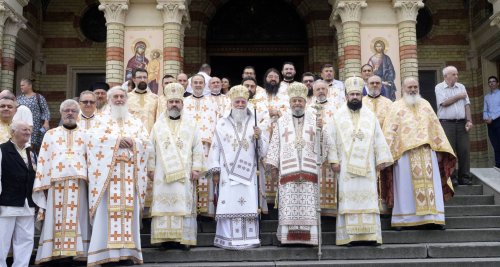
{"points": [[453, 111]]}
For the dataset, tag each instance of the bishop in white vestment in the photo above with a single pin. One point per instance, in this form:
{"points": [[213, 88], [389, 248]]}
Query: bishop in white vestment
{"points": [[358, 152], [60, 190], [291, 154], [179, 161], [118, 152], [233, 164]]}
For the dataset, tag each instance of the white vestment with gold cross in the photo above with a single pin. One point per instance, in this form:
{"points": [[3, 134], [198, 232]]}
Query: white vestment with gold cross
{"points": [[60, 189], [179, 151], [203, 112], [328, 177], [232, 155], [358, 144], [87, 122], [292, 151], [117, 189], [144, 107], [222, 102]]}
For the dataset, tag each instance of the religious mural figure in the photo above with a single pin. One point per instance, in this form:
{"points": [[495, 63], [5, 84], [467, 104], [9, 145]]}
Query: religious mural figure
{"points": [[153, 69], [382, 67], [139, 59]]}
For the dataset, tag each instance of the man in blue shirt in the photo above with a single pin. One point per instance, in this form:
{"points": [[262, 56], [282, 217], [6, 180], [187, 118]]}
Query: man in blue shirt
{"points": [[491, 116]]}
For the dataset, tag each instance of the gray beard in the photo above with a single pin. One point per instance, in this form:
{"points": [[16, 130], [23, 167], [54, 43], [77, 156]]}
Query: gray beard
{"points": [[174, 113], [239, 115], [412, 100], [119, 112], [298, 111], [322, 98]]}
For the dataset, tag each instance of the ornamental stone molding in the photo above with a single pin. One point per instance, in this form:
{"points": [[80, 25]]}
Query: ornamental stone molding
{"points": [[114, 11], [13, 23], [495, 20], [173, 11], [407, 10], [349, 10]]}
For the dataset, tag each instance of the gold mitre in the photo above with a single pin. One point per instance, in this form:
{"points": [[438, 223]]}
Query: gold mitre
{"points": [[354, 84], [297, 90], [239, 91], [174, 91]]}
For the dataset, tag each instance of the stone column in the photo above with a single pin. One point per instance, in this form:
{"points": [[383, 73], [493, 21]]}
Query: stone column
{"points": [[495, 18], [12, 26], [115, 13], [174, 12], [407, 11], [337, 23], [350, 14], [184, 25]]}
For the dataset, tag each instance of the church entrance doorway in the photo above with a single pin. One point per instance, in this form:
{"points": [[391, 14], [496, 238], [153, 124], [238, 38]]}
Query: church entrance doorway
{"points": [[260, 33]]}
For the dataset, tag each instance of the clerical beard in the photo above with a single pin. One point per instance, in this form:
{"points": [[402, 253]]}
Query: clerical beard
{"points": [[119, 112], [321, 98], [298, 111], [239, 115], [271, 89], [174, 112], [142, 86], [412, 99], [354, 104]]}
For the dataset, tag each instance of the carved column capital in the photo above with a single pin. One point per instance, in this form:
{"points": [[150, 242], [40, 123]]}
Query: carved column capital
{"points": [[349, 10], [407, 10], [495, 20], [14, 23], [114, 11], [173, 11]]}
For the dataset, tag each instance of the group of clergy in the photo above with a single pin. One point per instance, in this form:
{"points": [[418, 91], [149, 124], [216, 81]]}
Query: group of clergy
{"points": [[312, 151]]}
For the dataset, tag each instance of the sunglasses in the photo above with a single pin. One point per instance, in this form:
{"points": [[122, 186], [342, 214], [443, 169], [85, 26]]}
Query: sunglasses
{"points": [[88, 102]]}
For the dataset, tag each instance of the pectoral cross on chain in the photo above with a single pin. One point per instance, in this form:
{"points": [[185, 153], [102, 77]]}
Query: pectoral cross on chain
{"points": [[299, 143], [357, 135]]}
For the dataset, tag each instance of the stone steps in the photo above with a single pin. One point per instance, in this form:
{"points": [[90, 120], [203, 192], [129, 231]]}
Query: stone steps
{"points": [[388, 237], [329, 252], [451, 262]]}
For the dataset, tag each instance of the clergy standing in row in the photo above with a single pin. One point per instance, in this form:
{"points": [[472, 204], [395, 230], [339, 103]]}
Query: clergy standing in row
{"points": [[203, 112], [220, 100], [60, 190], [118, 152], [358, 152], [375, 101], [142, 104], [326, 108], [87, 117], [291, 154], [179, 162], [233, 164], [424, 161]]}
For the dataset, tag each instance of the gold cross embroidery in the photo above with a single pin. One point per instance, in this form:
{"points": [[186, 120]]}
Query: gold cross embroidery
{"points": [[359, 135]]}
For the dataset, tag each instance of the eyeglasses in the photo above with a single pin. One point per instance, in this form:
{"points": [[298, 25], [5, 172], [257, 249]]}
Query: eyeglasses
{"points": [[88, 102], [374, 82]]}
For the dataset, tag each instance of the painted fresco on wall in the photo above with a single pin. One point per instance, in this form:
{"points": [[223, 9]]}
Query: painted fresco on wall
{"points": [[380, 49], [143, 50]]}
